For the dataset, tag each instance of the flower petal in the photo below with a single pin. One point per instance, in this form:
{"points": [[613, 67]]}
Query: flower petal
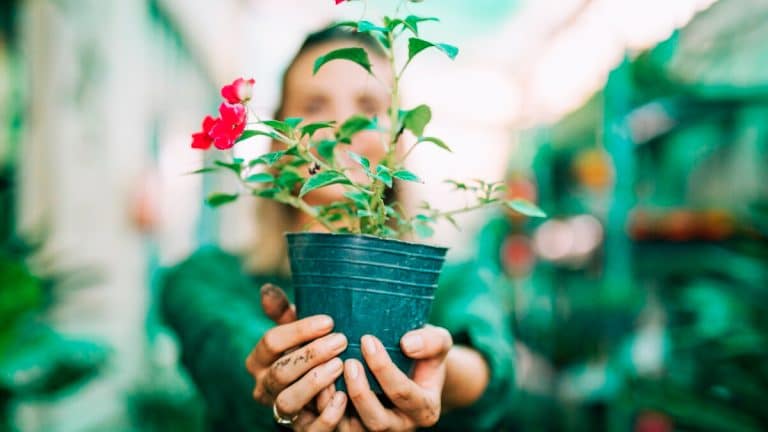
{"points": [[223, 142], [232, 113], [208, 123], [230, 92], [201, 140]]}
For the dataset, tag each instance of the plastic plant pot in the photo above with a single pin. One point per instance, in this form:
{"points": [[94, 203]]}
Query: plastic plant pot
{"points": [[368, 285]]}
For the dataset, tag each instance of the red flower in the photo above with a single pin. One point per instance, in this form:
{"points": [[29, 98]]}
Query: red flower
{"points": [[229, 127], [239, 91], [203, 140], [340, 1]]}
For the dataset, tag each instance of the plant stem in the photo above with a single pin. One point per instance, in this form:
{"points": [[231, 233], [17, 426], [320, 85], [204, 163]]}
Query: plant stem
{"points": [[377, 200], [464, 209], [408, 153], [310, 211]]}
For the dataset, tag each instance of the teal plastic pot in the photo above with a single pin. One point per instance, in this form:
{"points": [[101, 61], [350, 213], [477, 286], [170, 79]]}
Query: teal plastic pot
{"points": [[369, 285]]}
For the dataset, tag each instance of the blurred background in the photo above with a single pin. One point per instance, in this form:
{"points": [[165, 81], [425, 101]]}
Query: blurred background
{"points": [[641, 127]]}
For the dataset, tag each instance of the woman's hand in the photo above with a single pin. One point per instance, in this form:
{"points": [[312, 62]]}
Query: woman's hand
{"points": [[289, 374], [417, 401], [444, 375]]}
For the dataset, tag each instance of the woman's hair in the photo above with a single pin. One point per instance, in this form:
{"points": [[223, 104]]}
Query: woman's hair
{"points": [[269, 253]]}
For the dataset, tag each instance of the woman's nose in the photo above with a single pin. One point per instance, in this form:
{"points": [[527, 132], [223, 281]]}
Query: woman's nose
{"points": [[344, 111]]}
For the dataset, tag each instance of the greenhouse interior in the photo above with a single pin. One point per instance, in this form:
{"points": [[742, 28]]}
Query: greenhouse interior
{"points": [[620, 284]]}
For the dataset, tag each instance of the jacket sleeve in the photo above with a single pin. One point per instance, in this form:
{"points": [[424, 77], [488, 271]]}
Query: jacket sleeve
{"points": [[214, 310], [466, 305]]}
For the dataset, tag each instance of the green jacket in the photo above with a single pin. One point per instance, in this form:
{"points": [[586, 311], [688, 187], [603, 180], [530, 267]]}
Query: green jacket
{"points": [[214, 308]]}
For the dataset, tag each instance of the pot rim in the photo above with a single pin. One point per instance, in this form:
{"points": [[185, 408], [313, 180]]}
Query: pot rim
{"points": [[369, 236]]}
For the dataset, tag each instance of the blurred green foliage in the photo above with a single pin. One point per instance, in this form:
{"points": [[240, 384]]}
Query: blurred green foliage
{"points": [[682, 134]]}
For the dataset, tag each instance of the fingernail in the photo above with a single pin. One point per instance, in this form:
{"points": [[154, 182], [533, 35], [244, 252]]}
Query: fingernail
{"points": [[334, 364], [338, 399], [352, 368], [337, 341], [323, 322], [369, 344], [413, 343]]}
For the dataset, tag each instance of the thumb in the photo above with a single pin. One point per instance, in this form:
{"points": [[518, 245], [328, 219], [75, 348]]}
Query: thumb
{"points": [[275, 304]]}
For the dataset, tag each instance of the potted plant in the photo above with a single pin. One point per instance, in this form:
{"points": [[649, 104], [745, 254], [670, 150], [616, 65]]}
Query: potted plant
{"points": [[360, 272]]}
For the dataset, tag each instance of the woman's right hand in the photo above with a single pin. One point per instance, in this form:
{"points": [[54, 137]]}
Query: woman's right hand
{"points": [[294, 362]]}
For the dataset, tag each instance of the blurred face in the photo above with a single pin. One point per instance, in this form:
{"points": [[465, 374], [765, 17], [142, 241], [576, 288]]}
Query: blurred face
{"points": [[339, 90]]}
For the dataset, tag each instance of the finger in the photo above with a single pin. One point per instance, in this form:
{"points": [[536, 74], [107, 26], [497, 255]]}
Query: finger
{"points": [[276, 305], [427, 342], [332, 415], [370, 410], [325, 397], [421, 405], [283, 337], [351, 424], [430, 374], [304, 420], [292, 366], [299, 394]]}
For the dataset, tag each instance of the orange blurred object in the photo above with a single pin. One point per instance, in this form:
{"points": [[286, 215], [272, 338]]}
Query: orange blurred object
{"points": [[593, 169], [715, 225]]}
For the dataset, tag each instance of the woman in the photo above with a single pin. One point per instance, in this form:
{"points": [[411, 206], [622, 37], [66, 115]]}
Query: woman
{"points": [[463, 364]]}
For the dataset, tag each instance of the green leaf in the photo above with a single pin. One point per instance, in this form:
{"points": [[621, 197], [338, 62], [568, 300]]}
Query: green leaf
{"points": [[359, 198], [412, 22], [267, 159], [260, 178], [388, 232], [325, 149], [351, 24], [252, 133], [292, 151], [383, 174], [362, 161], [353, 125], [416, 45], [356, 55], [311, 128], [234, 166], [383, 40], [364, 213], [267, 193], [499, 187], [367, 26], [406, 175], [392, 23], [279, 126], [416, 119], [203, 170], [217, 199], [323, 178], [453, 222], [458, 185], [423, 230], [525, 207], [297, 162], [436, 141], [288, 179], [292, 122], [335, 217]]}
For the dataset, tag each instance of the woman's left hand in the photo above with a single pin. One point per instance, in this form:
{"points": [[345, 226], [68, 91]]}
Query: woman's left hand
{"points": [[417, 401]]}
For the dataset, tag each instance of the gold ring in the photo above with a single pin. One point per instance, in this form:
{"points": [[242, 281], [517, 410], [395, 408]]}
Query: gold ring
{"points": [[280, 419]]}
